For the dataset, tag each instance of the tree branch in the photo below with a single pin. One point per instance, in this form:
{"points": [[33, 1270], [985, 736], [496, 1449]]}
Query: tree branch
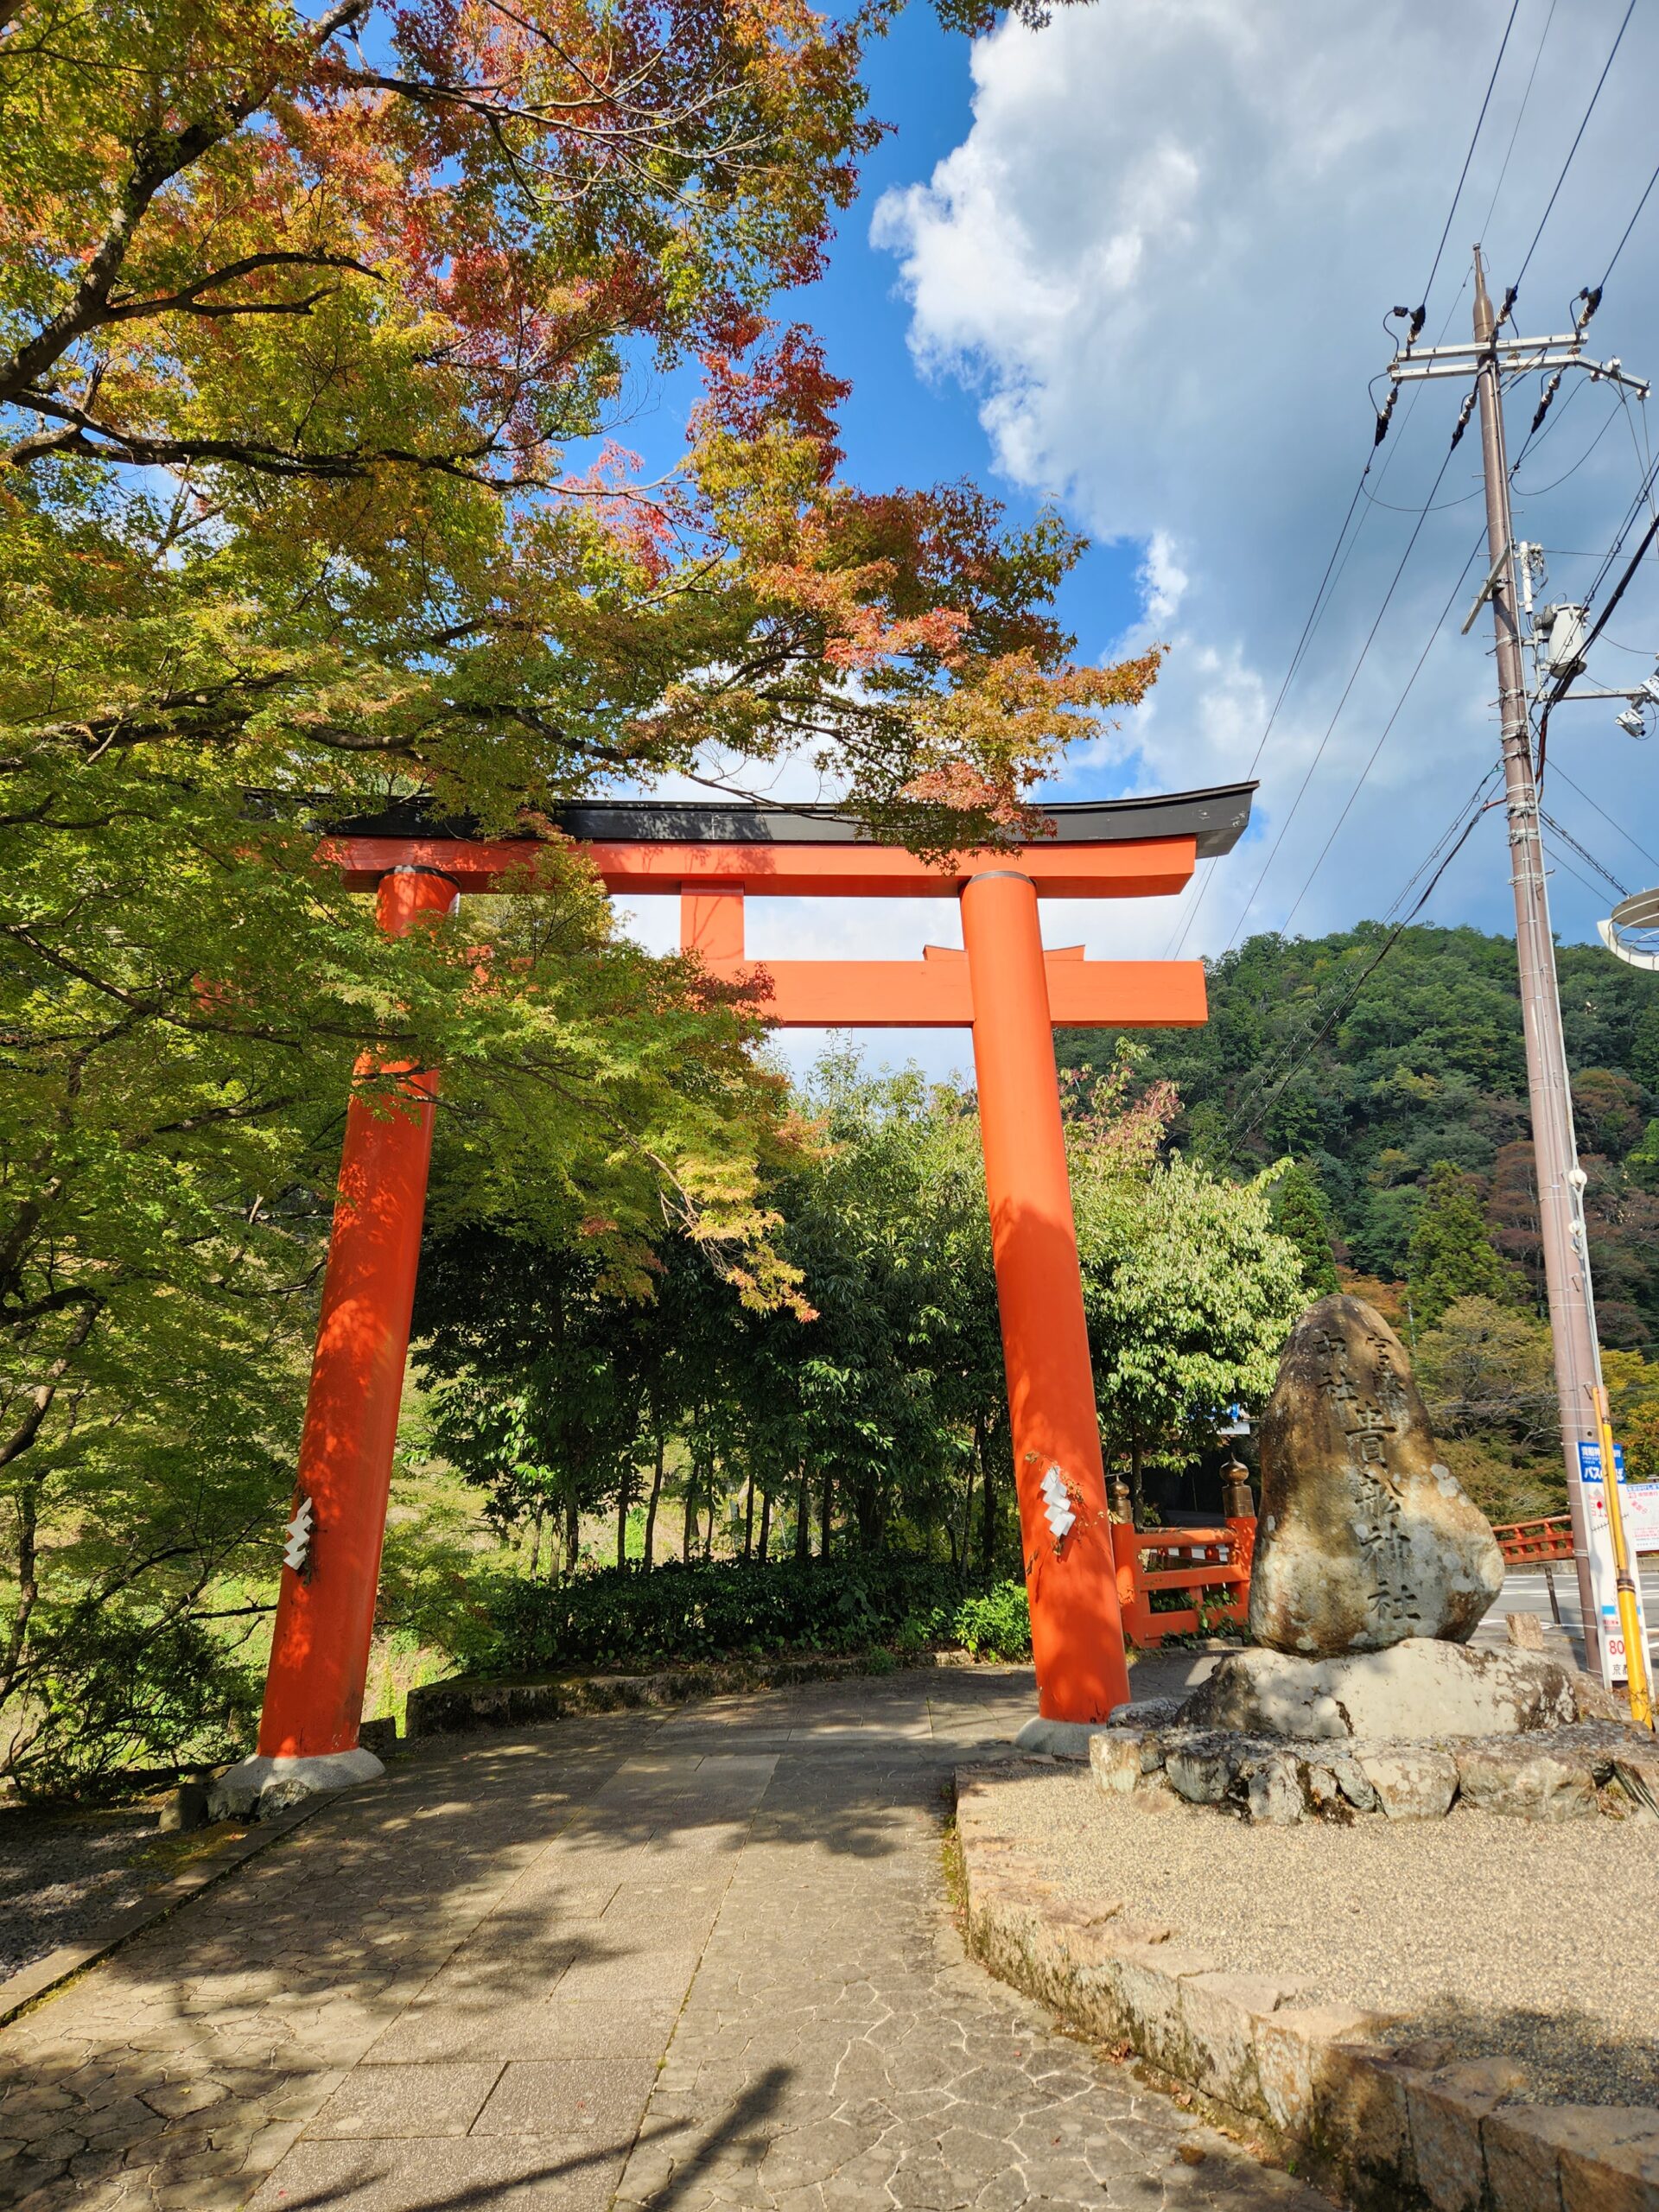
{"points": [[44, 1392], [157, 159], [188, 298]]}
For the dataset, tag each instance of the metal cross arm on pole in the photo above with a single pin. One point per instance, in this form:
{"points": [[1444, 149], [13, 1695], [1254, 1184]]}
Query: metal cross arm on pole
{"points": [[1514, 356]]}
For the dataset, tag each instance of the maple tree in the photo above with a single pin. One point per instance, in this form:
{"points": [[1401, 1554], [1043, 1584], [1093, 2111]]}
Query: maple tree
{"points": [[319, 332]]}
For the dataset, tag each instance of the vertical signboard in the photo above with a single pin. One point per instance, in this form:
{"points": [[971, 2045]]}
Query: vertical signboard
{"points": [[1603, 1575]]}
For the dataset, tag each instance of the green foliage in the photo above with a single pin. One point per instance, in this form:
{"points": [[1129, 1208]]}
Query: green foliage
{"points": [[115, 1687], [313, 331], [1641, 1164], [1426, 1064], [1189, 1293], [1633, 1397], [1451, 1255], [1486, 1369], [625, 1619], [1300, 1214], [995, 1624]]}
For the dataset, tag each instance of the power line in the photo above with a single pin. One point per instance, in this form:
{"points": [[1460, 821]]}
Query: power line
{"points": [[1266, 1074], [1346, 690], [1635, 562], [1462, 173], [1567, 869], [1538, 490], [1309, 627], [1396, 507], [1383, 734], [1562, 776], [1629, 227], [1583, 851], [1640, 447], [1526, 97], [1321, 594], [1558, 690], [1583, 126], [1388, 944]]}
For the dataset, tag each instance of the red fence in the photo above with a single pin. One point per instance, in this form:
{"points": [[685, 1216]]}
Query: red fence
{"points": [[1213, 1563], [1528, 1542]]}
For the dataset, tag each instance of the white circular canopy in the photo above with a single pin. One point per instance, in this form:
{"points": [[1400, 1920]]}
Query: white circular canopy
{"points": [[1631, 929]]}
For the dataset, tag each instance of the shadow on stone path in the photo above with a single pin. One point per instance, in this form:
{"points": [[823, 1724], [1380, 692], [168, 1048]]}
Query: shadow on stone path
{"points": [[693, 1962]]}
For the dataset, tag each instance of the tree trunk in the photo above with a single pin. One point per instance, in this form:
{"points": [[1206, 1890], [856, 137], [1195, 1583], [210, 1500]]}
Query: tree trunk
{"points": [[987, 1514], [536, 1544], [749, 1519], [825, 1514], [1137, 1496], [572, 1533], [689, 1526], [39, 1400], [802, 1518], [765, 1524], [968, 1502], [656, 1492], [28, 1587], [867, 1513]]}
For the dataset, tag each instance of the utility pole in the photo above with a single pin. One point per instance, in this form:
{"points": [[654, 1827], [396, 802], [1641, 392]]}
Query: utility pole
{"points": [[1566, 1264], [1561, 1179]]}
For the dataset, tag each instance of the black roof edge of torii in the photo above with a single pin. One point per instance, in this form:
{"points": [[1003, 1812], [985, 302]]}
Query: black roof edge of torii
{"points": [[1216, 819]]}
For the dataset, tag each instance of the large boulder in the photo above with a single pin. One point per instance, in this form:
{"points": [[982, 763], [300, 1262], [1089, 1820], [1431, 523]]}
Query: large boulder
{"points": [[1414, 1689], [1365, 1537]]}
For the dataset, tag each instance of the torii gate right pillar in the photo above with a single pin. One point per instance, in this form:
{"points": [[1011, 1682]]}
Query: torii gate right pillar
{"points": [[1077, 1632]]}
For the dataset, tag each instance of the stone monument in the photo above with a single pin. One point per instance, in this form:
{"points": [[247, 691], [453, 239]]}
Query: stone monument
{"points": [[1372, 1570], [1364, 1537]]}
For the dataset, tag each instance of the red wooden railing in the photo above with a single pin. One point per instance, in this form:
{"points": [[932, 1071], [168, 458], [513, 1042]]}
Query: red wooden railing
{"points": [[1214, 1563], [1524, 1543]]}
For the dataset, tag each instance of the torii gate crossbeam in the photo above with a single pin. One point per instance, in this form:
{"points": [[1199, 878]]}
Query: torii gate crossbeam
{"points": [[1003, 984]]}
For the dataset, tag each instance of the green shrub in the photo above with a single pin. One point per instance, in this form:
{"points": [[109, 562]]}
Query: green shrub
{"points": [[995, 1624], [115, 1687], [627, 1619]]}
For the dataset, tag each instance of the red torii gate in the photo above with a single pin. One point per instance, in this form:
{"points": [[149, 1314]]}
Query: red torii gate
{"points": [[1003, 984]]}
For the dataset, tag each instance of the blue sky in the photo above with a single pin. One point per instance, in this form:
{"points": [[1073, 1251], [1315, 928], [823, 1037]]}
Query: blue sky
{"points": [[1139, 261], [903, 426]]}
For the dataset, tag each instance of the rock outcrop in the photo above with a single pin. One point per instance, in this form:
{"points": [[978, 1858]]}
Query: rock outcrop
{"points": [[1365, 1537]]}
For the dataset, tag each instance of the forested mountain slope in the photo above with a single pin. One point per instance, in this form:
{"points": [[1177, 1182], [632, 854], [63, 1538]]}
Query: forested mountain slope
{"points": [[1370, 1070]]}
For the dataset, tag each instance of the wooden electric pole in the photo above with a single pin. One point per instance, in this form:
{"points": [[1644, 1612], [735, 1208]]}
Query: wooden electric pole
{"points": [[1566, 1262], [1561, 1179]]}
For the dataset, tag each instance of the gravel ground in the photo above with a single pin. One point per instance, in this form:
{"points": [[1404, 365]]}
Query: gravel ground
{"points": [[1501, 1937], [62, 1874]]}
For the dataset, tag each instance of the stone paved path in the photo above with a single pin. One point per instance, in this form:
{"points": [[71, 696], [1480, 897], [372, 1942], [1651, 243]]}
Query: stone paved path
{"points": [[694, 1961]]}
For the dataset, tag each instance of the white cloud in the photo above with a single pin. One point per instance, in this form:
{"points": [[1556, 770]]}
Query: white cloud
{"points": [[1163, 583], [1161, 257]]}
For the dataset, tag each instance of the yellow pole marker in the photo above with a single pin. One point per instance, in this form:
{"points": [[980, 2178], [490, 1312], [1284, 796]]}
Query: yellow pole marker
{"points": [[1630, 1618]]}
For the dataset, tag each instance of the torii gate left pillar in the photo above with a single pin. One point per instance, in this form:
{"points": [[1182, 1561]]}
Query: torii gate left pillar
{"points": [[1004, 985]]}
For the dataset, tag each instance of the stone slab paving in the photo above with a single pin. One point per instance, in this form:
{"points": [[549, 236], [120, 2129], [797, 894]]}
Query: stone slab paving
{"points": [[694, 1960]]}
